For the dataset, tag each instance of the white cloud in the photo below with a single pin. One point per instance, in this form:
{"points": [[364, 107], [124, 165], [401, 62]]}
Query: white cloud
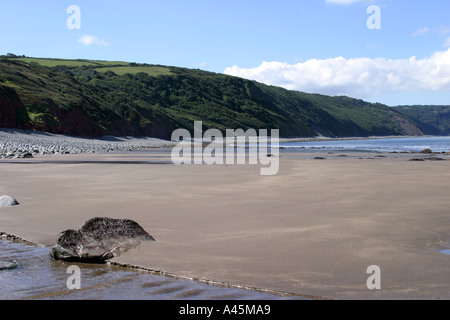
{"points": [[444, 30], [447, 42], [362, 78], [421, 32], [344, 2], [88, 40]]}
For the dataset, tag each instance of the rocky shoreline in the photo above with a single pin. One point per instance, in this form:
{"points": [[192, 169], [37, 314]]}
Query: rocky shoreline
{"points": [[17, 144]]}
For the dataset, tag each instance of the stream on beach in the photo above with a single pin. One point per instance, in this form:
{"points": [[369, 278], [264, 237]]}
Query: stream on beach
{"points": [[39, 277]]}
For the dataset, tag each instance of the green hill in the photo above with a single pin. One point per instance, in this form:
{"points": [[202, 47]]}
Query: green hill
{"points": [[432, 120], [95, 98]]}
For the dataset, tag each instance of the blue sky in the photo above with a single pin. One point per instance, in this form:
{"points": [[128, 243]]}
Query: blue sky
{"points": [[321, 46]]}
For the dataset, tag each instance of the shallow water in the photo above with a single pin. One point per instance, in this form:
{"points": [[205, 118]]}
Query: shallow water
{"points": [[40, 277]]}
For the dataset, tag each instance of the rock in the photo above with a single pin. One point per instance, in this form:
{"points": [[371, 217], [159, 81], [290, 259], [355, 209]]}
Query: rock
{"points": [[428, 158], [434, 159], [26, 155], [23, 155], [426, 150], [7, 201], [6, 265], [98, 240]]}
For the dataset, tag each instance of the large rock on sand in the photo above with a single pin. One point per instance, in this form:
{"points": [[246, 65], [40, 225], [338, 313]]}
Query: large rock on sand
{"points": [[7, 201], [99, 240]]}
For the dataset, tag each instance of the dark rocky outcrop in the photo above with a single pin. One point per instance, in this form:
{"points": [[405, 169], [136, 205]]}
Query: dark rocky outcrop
{"points": [[428, 159], [98, 240], [13, 113]]}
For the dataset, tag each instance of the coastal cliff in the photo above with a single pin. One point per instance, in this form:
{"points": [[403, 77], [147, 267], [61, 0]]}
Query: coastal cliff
{"points": [[13, 113], [96, 98]]}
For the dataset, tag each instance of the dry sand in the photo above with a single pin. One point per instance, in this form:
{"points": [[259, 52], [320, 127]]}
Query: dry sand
{"points": [[312, 229]]}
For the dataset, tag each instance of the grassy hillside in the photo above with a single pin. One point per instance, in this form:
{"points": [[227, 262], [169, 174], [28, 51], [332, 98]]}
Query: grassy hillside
{"points": [[93, 98], [71, 63], [432, 120]]}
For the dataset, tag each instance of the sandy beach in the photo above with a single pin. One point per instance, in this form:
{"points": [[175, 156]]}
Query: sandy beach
{"points": [[311, 230]]}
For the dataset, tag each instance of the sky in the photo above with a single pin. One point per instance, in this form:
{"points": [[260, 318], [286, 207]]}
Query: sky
{"points": [[394, 52]]}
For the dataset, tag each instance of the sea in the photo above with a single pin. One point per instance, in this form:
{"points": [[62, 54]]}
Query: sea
{"points": [[377, 145]]}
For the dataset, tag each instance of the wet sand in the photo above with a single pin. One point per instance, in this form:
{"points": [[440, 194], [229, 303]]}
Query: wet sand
{"points": [[311, 230]]}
